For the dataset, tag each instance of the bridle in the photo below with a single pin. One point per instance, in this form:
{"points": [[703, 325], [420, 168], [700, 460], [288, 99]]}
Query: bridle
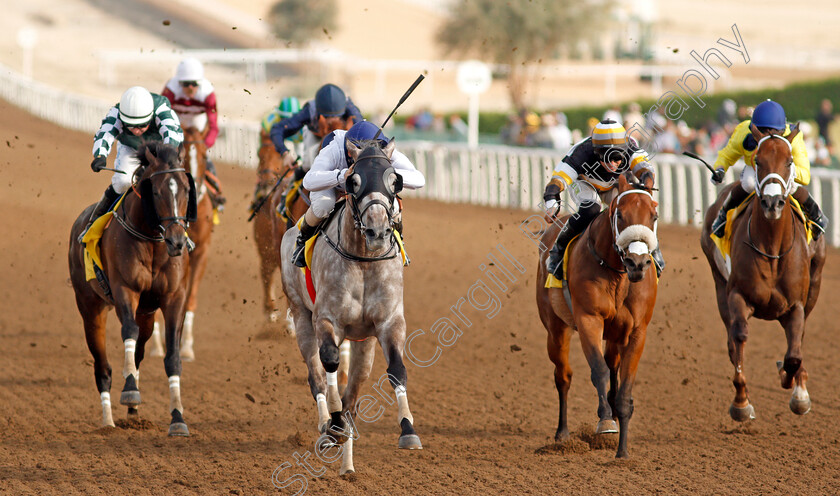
{"points": [[177, 219], [632, 247], [783, 186]]}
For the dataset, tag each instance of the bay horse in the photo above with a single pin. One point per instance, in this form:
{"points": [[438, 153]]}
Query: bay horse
{"points": [[358, 279], [775, 272], [200, 232], [269, 228], [145, 260], [612, 289]]}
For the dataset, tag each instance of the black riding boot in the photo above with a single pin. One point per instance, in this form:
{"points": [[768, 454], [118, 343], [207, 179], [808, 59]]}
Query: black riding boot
{"points": [[554, 262], [101, 208], [736, 196], [306, 232], [658, 261], [216, 197], [819, 222]]}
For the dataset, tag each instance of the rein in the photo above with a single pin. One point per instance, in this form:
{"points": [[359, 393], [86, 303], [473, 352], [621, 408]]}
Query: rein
{"points": [[601, 261], [336, 245], [752, 245]]}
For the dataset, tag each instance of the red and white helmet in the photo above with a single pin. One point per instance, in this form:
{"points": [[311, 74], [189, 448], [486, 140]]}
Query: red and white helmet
{"points": [[136, 106], [189, 69]]}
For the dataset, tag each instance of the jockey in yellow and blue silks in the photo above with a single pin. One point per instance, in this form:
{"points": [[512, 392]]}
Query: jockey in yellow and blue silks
{"points": [[590, 171], [767, 116]]}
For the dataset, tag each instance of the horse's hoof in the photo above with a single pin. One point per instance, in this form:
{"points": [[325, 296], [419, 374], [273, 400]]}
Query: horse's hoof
{"points": [[130, 398], [411, 442], [606, 427], [742, 414], [800, 402], [346, 472], [133, 412], [187, 355], [179, 429], [110, 423]]}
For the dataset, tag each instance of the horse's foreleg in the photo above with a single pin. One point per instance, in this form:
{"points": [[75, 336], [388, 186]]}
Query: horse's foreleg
{"points": [[612, 356], [360, 363], [94, 322], [791, 369], [629, 364], [741, 409], [343, 363], [392, 346], [559, 337], [198, 264], [126, 305], [145, 324], [591, 331], [173, 320]]}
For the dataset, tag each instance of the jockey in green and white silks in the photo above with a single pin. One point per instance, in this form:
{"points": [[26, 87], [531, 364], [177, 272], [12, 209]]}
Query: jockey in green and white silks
{"points": [[139, 116]]}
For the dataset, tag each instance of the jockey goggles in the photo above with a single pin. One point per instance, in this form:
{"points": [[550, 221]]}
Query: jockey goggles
{"points": [[613, 159], [137, 126], [187, 84]]}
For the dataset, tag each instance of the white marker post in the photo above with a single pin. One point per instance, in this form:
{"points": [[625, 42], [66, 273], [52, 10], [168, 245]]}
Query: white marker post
{"points": [[473, 78], [27, 38]]}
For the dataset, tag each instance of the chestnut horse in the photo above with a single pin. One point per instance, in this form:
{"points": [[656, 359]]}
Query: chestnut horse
{"points": [[200, 232], [144, 259], [612, 289], [268, 226], [775, 272]]}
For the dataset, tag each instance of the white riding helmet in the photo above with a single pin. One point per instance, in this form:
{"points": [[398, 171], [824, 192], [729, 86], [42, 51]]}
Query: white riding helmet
{"points": [[189, 69], [136, 106]]}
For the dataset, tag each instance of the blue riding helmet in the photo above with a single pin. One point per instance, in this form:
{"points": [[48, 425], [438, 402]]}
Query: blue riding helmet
{"points": [[769, 114], [363, 131], [330, 101]]}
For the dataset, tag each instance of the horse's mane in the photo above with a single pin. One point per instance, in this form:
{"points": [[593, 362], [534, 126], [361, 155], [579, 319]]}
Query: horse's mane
{"points": [[166, 154]]}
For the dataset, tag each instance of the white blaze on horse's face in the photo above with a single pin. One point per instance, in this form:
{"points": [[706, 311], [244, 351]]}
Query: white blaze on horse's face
{"points": [[173, 187], [772, 190], [635, 242], [193, 159]]}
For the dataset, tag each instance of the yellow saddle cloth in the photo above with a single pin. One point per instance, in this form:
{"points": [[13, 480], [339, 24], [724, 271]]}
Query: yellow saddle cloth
{"points": [[92, 238], [291, 197], [724, 244], [551, 281]]}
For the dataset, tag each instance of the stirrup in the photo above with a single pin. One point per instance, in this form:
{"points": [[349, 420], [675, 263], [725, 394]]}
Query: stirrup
{"points": [[82, 234], [719, 225], [298, 256]]}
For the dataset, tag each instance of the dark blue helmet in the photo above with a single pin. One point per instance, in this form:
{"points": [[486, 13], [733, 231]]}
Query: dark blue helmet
{"points": [[363, 131], [769, 114], [330, 101]]}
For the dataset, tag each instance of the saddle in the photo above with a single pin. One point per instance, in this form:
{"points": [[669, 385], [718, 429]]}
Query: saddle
{"points": [[724, 244]]}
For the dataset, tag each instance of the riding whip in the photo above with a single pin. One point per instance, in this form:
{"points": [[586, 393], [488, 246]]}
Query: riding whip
{"points": [[259, 205], [112, 170], [403, 99], [697, 157]]}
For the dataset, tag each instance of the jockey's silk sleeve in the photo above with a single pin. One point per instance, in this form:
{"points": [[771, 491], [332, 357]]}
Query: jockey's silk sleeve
{"points": [[330, 159], [288, 127], [800, 160], [169, 125], [212, 120], [107, 133], [735, 150], [412, 178]]}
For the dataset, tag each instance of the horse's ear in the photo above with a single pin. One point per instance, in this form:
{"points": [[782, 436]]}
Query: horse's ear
{"points": [[322, 126], [623, 183], [794, 130], [389, 148], [353, 150], [182, 152], [149, 156], [755, 132]]}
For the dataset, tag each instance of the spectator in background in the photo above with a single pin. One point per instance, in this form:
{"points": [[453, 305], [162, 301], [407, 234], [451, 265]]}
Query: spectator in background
{"points": [[727, 116], [460, 128], [613, 113], [633, 116], [561, 136], [511, 130], [824, 118]]}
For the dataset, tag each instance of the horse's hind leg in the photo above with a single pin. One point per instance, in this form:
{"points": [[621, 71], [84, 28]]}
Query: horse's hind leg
{"points": [[308, 345], [198, 264], [792, 370], [741, 410], [94, 322], [173, 313], [612, 356], [392, 346], [559, 337]]}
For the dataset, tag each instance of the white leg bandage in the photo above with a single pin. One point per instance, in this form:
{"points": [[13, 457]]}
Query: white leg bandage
{"points": [[175, 394], [129, 367], [402, 405]]}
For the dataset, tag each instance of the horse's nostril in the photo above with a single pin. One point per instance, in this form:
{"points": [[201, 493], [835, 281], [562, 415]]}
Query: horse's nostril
{"points": [[370, 233]]}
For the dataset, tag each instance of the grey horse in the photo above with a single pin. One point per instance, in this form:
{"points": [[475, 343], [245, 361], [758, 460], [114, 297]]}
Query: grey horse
{"points": [[357, 273]]}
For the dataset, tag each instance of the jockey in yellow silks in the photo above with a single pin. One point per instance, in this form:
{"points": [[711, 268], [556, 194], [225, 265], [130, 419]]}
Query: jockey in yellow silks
{"points": [[767, 116]]}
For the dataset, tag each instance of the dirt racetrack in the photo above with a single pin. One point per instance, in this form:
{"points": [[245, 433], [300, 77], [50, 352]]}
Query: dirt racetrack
{"points": [[483, 410]]}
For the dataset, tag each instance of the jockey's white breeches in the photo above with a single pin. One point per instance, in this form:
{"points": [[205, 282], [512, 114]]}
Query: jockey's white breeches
{"points": [[127, 162], [748, 180], [198, 121], [581, 191]]}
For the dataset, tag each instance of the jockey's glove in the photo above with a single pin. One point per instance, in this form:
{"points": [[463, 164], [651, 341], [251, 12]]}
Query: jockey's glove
{"points": [[552, 192], [98, 163], [717, 175]]}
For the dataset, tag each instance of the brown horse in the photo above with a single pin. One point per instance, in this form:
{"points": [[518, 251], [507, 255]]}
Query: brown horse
{"points": [[612, 290], [200, 232], [775, 272], [269, 228], [146, 268]]}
